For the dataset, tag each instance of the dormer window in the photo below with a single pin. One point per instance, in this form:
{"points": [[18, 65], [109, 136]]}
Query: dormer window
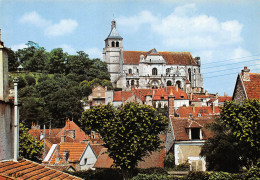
{"points": [[113, 44], [190, 115], [117, 44], [182, 97], [195, 134], [199, 115]]}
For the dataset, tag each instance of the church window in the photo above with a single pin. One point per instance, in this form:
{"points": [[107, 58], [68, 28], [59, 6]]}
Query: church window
{"points": [[169, 83], [154, 71], [189, 72], [132, 83], [179, 84], [113, 44], [130, 71], [127, 83], [117, 44], [137, 83]]}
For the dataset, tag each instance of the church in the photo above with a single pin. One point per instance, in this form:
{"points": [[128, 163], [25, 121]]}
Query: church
{"points": [[150, 69]]}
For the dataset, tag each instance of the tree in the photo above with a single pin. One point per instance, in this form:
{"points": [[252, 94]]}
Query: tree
{"points": [[57, 61], [29, 147], [129, 132], [236, 142]]}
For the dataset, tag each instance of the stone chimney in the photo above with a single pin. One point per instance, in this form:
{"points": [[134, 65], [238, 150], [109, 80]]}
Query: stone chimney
{"points": [[171, 103], [245, 74], [4, 87]]}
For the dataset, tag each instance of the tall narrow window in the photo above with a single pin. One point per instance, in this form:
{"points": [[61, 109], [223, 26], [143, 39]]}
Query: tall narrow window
{"points": [[132, 83], [154, 71], [117, 44], [169, 83], [113, 44], [130, 71], [189, 72], [179, 84]]}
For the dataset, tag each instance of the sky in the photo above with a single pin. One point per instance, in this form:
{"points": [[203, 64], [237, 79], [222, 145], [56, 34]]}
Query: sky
{"points": [[224, 34]]}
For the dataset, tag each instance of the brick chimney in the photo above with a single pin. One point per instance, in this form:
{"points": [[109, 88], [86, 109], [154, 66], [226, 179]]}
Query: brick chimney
{"points": [[245, 74]]}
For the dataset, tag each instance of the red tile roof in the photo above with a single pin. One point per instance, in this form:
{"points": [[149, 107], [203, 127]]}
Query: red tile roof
{"points": [[48, 132], [181, 124], [253, 86], [180, 58], [203, 111], [26, 169], [157, 94], [75, 152], [224, 98]]}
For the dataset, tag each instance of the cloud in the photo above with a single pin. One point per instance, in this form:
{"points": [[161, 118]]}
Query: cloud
{"points": [[94, 53], [67, 48], [18, 46], [65, 26], [183, 28]]}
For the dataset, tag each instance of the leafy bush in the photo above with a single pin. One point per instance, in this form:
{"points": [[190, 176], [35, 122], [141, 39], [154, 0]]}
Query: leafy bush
{"points": [[30, 80], [197, 175], [150, 177], [169, 161], [220, 176], [182, 167], [152, 171], [253, 173], [99, 174]]}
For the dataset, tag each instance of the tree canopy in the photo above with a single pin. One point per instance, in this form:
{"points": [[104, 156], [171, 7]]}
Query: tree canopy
{"points": [[129, 132], [237, 136], [29, 147]]}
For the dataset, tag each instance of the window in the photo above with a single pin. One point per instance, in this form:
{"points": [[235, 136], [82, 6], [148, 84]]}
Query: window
{"points": [[117, 44], [132, 83], [179, 84], [169, 83], [182, 97], [154, 71], [113, 44], [127, 83], [168, 71], [190, 115], [85, 160], [195, 133], [189, 72], [137, 71], [130, 71], [98, 88], [137, 83]]}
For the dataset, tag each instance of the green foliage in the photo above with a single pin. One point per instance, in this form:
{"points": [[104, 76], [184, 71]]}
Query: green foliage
{"points": [[30, 80], [161, 171], [197, 175], [244, 121], [12, 60], [253, 173], [29, 147], [220, 176], [129, 132], [100, 174], [236, 141], [169, 161], [150, 177]]}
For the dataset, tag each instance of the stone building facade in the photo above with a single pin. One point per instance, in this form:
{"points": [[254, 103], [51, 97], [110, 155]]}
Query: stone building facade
{"points": [[150, 69]]}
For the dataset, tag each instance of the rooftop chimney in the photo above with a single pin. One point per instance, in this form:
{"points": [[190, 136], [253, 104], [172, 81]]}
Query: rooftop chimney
{"points": [[245, 74], [171, 103], [16, 121]]}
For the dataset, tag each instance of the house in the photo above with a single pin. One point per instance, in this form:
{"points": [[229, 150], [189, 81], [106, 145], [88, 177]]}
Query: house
{"points": [[150, 69], [187, 134], [98, 95], [247, 86], [81, 156], [152, 160], [11, 166]]}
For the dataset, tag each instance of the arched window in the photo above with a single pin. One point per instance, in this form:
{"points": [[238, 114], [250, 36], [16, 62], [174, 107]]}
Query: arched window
{"points": [[117, 44], [113, 44], [169, 83], [130, 71], [132, 83], [154, 71], [179, 84], [137, 71], [189, 72]]}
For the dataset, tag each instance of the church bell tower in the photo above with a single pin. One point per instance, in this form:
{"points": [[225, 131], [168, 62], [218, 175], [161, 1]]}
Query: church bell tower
{"points": [[113, 55]]}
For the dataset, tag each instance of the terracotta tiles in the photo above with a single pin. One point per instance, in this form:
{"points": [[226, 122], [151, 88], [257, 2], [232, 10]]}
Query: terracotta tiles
{"points": [[195, 111], [25, 169], [180, 58], [180, 126], [253, 86], [224, 98]]}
